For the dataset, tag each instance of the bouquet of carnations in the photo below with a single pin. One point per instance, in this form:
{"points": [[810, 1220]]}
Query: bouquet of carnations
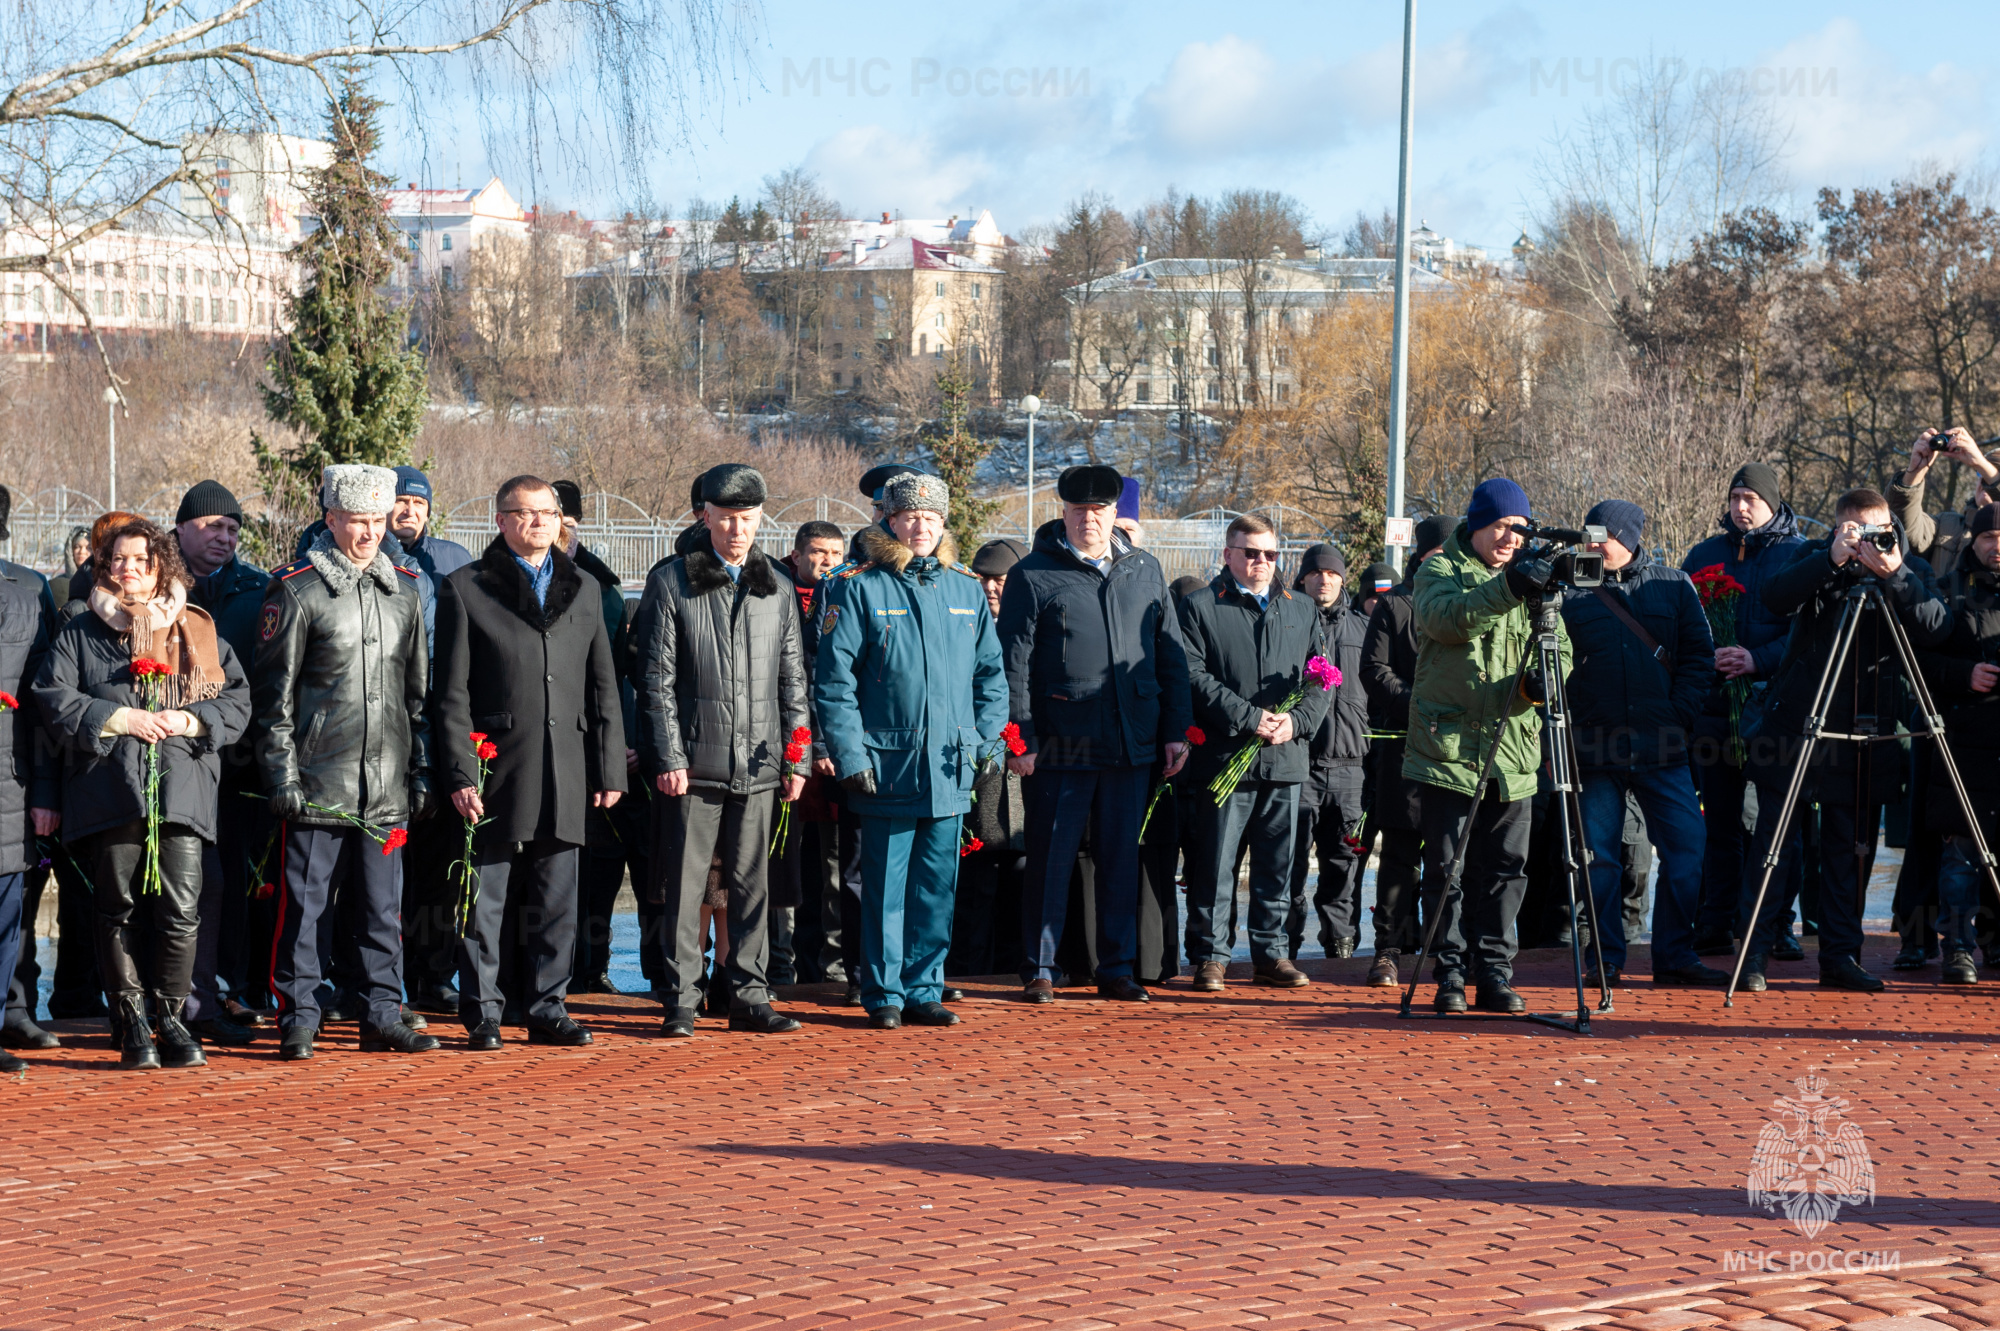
{"points": [[467, 871], [1719, 593], [1318, 672], [797, 750], [150, 677]]}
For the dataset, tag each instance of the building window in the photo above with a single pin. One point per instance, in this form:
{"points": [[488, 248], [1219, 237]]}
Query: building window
{"points": [[118, 270], [1215, 356], [181, 274], [940, 286], [145, 306], [975, 291], [1145, 391], [1284, 392], [939, 353], [414, 242], [1214, 391], [19, 300], [1180, 392], [446, 243], [41, 303], [938, 320], [118, 302], [97, 270], [857, 356], [836, 378], [449, 285], [923, 344], [837, 351], [181, 308], [97, 302], [232, 311], [857, 378], [1175, 354]]}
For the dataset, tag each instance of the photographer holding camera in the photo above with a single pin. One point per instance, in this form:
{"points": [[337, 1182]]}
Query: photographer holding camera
{"points": [[1644, 660], [1941, 540], [1849, 780], [1471, 603], [1965, 672]]}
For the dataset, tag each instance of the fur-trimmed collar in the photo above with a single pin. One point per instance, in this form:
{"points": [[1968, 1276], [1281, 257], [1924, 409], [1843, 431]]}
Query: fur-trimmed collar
{"points": [[706, 574], [506, 582], [339, 572], [883, 550]]}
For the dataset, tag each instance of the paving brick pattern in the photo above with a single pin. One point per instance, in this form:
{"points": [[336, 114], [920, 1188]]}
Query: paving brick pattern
{"points": [[1254, 1158]]}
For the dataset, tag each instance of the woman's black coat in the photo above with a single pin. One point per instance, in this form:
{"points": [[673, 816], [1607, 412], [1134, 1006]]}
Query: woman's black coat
{"points": [[87, 676]]}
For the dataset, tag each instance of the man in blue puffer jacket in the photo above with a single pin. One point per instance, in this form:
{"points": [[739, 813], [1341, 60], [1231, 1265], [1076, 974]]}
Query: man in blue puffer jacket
{"points": [[1759, 536], [912, 695], [1644, 659]]}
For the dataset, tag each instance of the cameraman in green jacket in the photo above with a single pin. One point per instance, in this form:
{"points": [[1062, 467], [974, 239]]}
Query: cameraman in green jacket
{"points": [[1473, 623]]}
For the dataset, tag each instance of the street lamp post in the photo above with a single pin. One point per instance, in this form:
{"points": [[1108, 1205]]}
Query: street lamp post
{"points": [[111, 435], [1031, 404], [1399, 374]]}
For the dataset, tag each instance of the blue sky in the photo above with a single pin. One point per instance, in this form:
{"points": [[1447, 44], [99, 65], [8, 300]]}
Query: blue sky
{"points": [[944, 111]]}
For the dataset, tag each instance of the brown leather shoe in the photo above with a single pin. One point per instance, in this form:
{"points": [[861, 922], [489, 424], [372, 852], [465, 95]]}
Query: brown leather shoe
{"points": [[1039, 991], [1382, 971], [1208, 977], [1280, 974]]}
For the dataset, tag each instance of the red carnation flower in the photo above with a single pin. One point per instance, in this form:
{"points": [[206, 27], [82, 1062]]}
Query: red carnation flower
{"points": [[9, 701], [265, 891], [146, 666], [1011, 733], [1196, 736], [795, 752], [488, 750], [396, 838], [971, 844], [478, 737], [802, 736]]}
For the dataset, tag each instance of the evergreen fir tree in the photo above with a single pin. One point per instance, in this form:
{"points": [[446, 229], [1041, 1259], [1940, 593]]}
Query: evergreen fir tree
{"points": [[957, 452], [344, 377]]}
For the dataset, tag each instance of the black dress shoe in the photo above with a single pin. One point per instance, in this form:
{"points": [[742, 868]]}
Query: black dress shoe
{"points": [[1450, 997], [762, 1019], [344, 1007], [483, 1037], [599, 983], [1958, 969], [1909, 959], [1038, 991], [1715, 945], [886, 1018], [1123, 989], [852, 998], [440, 1000], [562, 1031], [679, 1024], [296, 1045], [11, 1064], [1497, 996], [1612, 973], [1698, 975], [1788, 948], [397, 1039], [930, 1014], [22, 1033], [224, 1032], [246, 1016], [951, 995], [413, 1018], [1752, 979], [1846, 973]]}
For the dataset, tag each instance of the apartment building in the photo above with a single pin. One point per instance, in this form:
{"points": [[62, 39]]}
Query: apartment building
{"points": [[909, 297]]}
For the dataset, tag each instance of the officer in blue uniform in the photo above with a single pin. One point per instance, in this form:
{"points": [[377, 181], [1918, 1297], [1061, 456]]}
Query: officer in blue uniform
{"points": [[912, 696]]}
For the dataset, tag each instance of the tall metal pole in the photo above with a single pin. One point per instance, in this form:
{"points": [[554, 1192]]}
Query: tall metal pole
{"points": [[111, 433], [1399, 374], [1031, 404]]}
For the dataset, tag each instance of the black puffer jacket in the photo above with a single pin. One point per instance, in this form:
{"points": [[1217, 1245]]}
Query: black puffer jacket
{"points": [[1342, 738], [25, 627], [1631, 709], [1243, 660], [1971, 719], [721, 678], [1388, 664], [340, 676], [1096, 672], [85, 678]]}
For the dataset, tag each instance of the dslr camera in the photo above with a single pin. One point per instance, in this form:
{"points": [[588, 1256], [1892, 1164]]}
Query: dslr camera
{"points": [[1878, 534], [1563, 548]]}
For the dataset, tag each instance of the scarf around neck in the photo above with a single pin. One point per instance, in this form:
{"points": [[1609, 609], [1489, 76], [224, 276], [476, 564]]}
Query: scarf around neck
{"points": [[167, 629]]}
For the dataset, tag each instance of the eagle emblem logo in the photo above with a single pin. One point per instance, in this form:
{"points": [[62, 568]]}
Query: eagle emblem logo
{"points": [[1812, 1160]]}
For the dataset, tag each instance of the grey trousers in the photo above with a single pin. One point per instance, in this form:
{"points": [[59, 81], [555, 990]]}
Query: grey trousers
{"points": [[705, 824], [541, 877]]}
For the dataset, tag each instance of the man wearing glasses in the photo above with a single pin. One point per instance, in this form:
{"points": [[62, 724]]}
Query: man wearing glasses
{"points": [[1248, 641], [523, 660]]}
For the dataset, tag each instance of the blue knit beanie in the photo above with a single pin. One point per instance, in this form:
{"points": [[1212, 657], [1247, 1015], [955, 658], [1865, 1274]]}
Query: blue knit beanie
{"points": [[1496, 499], [1623, 521]]}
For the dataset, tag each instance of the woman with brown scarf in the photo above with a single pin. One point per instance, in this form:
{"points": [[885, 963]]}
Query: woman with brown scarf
{"points": [[106, 721]]}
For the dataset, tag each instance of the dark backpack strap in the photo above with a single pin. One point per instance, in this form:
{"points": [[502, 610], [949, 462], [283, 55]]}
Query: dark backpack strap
{"points": [[1616, 605]]}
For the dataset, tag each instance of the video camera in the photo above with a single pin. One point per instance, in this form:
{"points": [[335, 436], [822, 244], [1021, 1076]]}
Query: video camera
{"points": [[1563, 548]]}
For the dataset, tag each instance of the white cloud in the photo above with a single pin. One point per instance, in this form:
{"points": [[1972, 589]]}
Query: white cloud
{"points": [[870, 168], [1855, 117]]}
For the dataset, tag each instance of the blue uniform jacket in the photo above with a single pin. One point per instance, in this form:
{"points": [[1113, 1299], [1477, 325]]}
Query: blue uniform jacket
{"points": [[909, 681]]}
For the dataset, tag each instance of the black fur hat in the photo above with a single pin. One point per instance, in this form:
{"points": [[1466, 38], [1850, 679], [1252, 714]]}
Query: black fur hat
{"points": [[875, 478], [733, 485], [1090, 485]]}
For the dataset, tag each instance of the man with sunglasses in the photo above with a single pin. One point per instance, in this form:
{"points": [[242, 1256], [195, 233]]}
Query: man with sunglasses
{"points": [[1248, 640], [523, 661]]}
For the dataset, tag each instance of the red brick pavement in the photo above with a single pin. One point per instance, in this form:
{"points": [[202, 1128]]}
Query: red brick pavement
{"points": [[1276, 1159]]}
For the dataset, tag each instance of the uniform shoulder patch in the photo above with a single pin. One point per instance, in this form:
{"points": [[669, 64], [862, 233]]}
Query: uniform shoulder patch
{"points": [[268, 628], [960, 568], [406, 572], [293, 569]]}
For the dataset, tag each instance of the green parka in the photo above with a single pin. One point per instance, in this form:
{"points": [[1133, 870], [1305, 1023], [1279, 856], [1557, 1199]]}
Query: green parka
{"points": [[1473, 630]]}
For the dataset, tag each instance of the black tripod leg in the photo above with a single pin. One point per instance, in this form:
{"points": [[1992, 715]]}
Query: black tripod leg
{"points": [[1568, 775], [1450, 884], [1934, 727], [1843, 641]]}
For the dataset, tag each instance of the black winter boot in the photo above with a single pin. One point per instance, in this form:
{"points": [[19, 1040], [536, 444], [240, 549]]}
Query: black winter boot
{"points": [[179, 1047], [135, 1035]]}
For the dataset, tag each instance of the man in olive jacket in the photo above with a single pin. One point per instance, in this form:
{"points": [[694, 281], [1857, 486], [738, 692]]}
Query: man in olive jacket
{"points": [[722, 688], [337, 700], [913, 697], [523, 660], [1470, 608], [1248, 640]]}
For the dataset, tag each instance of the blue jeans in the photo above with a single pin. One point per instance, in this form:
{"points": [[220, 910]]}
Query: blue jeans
{"points": [[1675, 827], [909, 880], [1062, 803], [1267, 813], [1959, 873]]}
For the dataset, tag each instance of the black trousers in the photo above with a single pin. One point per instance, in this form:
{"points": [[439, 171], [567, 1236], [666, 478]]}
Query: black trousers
{"points": [[145, 940], [816, 926], [616, 841], [1475, 930], [329, 873], [1330, 826], [24, 991], [541, 876], [1398, 872], [430, 899]]}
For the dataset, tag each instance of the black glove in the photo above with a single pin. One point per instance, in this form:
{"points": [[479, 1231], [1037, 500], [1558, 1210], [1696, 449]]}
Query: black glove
{"points": [[1528, 578], [1534, 687], [422, 805], [859, 783], [288, 801]]}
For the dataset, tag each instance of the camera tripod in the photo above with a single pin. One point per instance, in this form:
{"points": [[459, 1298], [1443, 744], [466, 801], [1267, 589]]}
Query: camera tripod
{"points": [[1545, 651], [1861, 595]]}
